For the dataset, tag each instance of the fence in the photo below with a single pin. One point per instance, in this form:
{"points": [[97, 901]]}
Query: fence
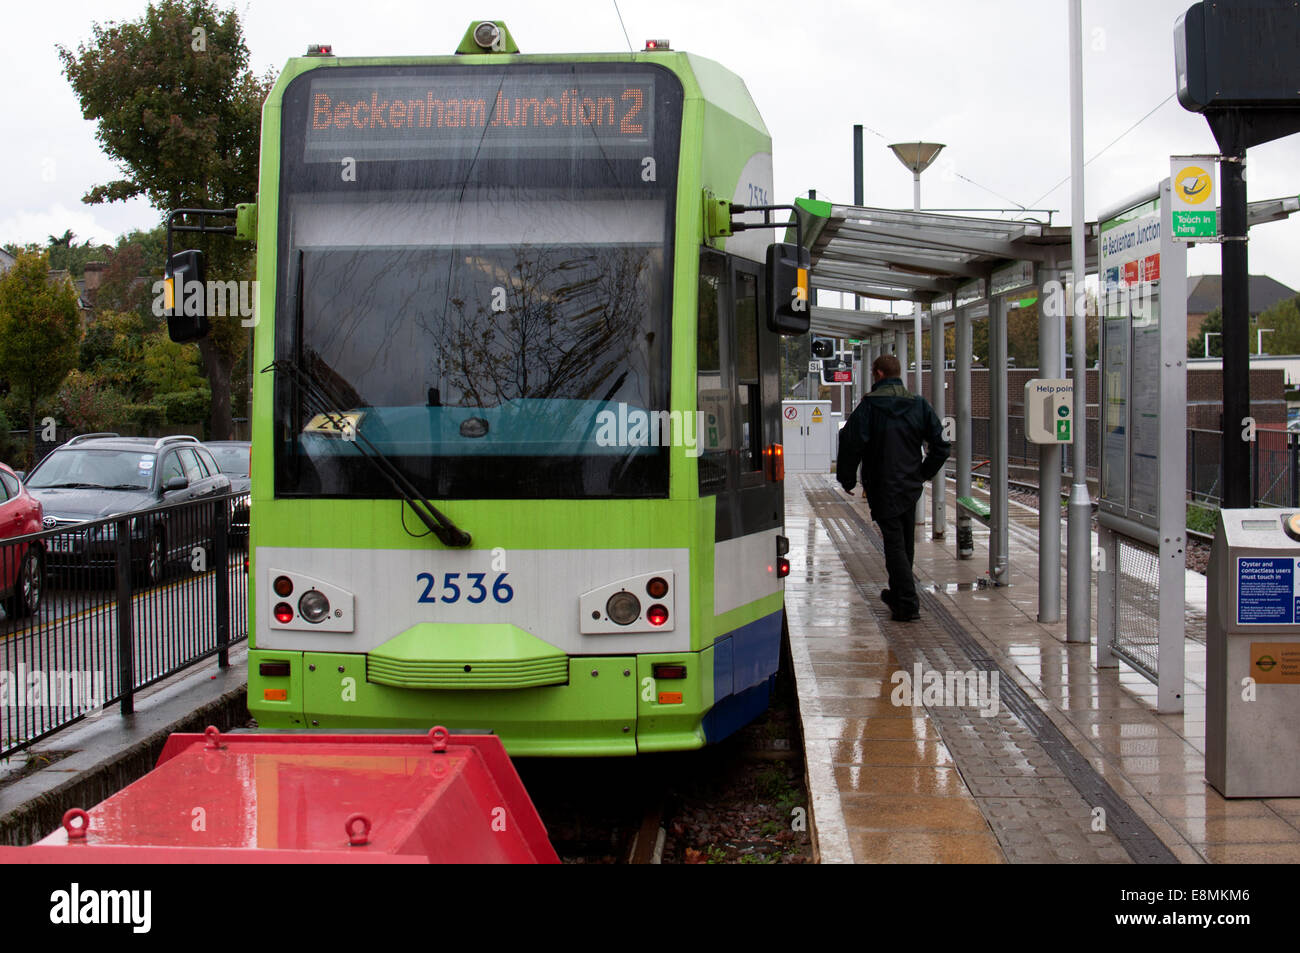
{"points": [[119, 604], [1274, 460]]}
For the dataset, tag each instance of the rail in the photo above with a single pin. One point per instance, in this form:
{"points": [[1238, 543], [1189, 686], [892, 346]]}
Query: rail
{"points": [[96, 611]]}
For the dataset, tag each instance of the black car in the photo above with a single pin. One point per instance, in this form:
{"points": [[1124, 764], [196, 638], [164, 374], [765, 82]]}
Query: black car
{"points": [[235, 459], [100, 475]]}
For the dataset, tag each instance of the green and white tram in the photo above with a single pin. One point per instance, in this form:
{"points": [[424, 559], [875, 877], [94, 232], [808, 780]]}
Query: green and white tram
{"points": [[516, 451]]}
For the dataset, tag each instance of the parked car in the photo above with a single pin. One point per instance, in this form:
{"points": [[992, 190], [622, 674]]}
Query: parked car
{"points": [[100, 475], [22, 565], [235, 459]]}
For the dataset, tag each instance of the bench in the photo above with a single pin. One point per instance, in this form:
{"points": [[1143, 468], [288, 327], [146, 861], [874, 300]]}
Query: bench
{"points": [[976, 509]]}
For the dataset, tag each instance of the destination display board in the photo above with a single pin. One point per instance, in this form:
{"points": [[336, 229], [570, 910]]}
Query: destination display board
{"points": [[442, 115]]}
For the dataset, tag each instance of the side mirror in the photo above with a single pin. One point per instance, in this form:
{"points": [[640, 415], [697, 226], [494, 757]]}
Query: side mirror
{"points": [[185, 296], [176, 483], [788, 308]]}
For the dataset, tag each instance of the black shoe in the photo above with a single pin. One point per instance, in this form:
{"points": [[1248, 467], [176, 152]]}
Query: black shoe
{"points": [[906, 616], [887, 597]]}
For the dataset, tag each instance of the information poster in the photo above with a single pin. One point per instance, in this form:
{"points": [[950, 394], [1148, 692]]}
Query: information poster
{"points": [[1129, 304]]}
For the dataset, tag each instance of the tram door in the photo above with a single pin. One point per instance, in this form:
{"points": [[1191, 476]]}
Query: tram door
{"points": [[738, 389]]}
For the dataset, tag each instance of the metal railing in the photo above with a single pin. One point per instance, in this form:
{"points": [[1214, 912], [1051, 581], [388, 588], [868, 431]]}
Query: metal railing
{"points": [[1274, 467], [1274, 460], [120, 603]]}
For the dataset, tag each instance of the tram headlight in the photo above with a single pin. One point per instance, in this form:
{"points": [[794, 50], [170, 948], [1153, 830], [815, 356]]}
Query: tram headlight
{"points": [[486, 33], [623, 608], [313, 606]]}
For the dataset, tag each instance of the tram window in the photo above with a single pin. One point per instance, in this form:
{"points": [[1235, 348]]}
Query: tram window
{"points": [[711, 390], [747, 395]]}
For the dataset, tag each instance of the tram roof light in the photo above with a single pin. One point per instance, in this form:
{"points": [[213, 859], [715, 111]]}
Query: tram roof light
{"points": [[657, 45], [320, 49]]}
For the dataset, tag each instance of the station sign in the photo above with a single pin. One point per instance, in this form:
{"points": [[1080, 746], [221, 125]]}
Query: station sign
{"points": [[1049, 410], [1194, 198]]}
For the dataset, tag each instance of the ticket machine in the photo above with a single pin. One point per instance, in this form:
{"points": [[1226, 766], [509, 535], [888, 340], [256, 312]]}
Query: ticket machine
{"points": [[1252, 705]]}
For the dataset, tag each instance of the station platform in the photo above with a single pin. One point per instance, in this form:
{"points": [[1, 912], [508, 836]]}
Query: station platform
{"points": [[1053, 761]]}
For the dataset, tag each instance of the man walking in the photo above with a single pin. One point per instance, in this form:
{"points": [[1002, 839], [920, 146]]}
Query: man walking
{"points": [[885, 435]]}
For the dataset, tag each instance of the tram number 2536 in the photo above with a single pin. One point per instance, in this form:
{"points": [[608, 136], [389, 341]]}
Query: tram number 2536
{"points": [[474, 588]]}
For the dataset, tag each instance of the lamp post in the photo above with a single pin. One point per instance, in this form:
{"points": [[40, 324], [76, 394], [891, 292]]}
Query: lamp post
{"points": [[1259, 339], [917, 156], [1208, 335]]}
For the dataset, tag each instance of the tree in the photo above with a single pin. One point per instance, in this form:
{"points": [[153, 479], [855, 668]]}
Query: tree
{"points": [[39, 331], [1213, 323], [1284, 319], [179, 110]]}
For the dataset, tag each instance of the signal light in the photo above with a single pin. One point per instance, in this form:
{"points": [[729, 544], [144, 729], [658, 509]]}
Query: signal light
{"points": [[283, 586], [320, 49], [273, 669], [782, 567], [284, 613], [668, 671], [657, 614], [657, 587], [653, 45]]}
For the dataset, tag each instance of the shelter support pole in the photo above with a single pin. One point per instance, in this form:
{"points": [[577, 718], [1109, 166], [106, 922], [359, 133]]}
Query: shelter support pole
{"points": [[938, 488], [1078, 568], [999, 558], [900, 351], [961, 402], [1050, 323], [920, 389]]}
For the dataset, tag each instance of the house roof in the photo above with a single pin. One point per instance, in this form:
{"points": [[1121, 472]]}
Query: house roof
{"points": [[1205, 293]]}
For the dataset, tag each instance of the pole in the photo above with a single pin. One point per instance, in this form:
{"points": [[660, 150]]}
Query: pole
{"points": [[937, 378], [1236, 333], [1078, 567], [1049, 462], [961, 398]]}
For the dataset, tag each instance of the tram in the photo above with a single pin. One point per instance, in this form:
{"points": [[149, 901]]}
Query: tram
{"points": [[516, 461]]}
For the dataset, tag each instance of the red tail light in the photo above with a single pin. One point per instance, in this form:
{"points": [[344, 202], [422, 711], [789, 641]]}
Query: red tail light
{"points": [[774, 462], [284, 613], [657, 615], [782, 567]]}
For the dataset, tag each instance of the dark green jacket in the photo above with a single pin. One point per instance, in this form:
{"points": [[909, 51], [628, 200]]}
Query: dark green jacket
{"points": [[884, 435]]}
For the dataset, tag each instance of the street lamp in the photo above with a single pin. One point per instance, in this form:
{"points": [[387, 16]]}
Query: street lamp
{"points": [[917, 156]]}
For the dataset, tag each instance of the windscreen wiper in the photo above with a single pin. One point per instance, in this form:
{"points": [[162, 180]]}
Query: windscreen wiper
{"points": [[321, 401]]}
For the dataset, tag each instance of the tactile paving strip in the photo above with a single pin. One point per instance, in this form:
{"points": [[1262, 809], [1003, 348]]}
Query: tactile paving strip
{"points": [[1038, 793]]}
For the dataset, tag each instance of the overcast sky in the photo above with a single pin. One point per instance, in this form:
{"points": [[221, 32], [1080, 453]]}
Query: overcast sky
{"points": [[989, 79]]}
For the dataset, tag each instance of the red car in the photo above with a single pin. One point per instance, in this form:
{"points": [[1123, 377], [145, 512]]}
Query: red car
{"points": [[22, 565]]}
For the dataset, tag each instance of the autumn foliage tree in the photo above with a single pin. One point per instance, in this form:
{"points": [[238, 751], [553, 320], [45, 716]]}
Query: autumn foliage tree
{"points": [[178, 108], [39, 332]]}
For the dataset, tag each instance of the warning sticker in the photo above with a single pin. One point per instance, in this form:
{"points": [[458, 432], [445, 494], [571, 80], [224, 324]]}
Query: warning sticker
{"points": [[1275, 663], [1266, 590], [817, 415]]}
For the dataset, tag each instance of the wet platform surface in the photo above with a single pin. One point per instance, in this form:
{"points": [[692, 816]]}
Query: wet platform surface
{"points": [[1045, 759]]}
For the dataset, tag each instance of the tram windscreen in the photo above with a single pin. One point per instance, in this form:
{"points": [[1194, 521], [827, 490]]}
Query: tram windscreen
{"points": [[488, 305]]}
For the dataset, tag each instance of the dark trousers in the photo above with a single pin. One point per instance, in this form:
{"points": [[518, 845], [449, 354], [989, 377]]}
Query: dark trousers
{"points": [[899, 533]]}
